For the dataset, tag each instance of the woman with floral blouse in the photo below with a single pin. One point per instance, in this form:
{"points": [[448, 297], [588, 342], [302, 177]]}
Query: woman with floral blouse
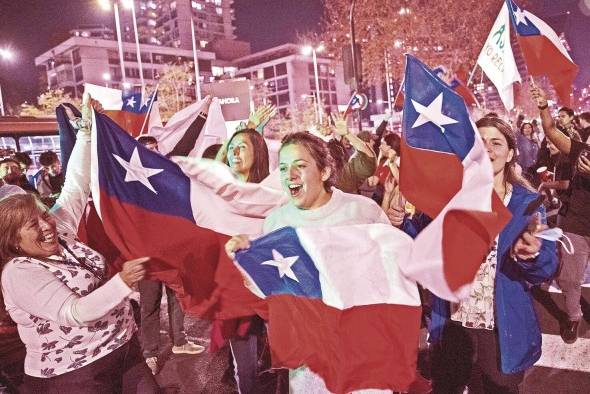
{"points": [[77, 325]]}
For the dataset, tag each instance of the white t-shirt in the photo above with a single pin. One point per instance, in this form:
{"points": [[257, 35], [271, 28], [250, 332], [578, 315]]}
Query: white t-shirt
{"points": [[342, 209]]}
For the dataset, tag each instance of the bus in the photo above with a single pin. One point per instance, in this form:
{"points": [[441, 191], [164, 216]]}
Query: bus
{"points": [[28, 134]]}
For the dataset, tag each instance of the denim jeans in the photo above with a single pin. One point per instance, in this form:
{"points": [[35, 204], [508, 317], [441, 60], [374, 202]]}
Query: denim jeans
{"points": [[151, 298], [470, 357], [571, 274]]}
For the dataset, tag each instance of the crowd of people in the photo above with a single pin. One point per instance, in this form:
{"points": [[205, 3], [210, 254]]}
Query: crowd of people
{"points": [[78, 327]]}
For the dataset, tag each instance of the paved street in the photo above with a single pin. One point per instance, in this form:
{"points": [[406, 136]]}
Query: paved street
{"points": [[563, 369]]}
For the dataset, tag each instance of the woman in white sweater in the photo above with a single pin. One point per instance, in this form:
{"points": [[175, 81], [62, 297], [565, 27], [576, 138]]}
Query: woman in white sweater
{"points": [[77, 325], [308, 176]]}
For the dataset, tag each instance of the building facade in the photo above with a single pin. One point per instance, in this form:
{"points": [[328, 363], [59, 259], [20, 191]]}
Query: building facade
{"points": [[282, 75], [168, 22], [285, 77], [80, 60]]}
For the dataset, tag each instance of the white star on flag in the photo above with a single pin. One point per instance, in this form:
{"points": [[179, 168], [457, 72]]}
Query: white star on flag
{"points": [[131, 102], [520, 17], [136, 171], [283, 264], [432, 113]]}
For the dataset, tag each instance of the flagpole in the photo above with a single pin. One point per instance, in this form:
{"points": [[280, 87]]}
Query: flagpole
{"points": [[149, 111], [196, 62], [119, 41], [472, 74], [138, 52]]}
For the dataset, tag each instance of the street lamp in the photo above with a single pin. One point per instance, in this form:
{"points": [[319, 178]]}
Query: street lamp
{"points": [[130, 4], [106, 77], [106, 5], [310, 50], [196, 62], [8, 55]]}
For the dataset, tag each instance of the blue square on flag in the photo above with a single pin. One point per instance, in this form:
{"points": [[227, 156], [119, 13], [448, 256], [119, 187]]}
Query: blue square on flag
{"points": [[278, 264]]}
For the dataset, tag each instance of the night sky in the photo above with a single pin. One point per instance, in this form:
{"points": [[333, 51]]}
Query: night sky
{"points": [[32, 27]]}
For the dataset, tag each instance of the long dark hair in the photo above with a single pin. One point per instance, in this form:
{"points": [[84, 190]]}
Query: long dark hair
{"points": [[503, 127], [320, 152], [259, 169]]}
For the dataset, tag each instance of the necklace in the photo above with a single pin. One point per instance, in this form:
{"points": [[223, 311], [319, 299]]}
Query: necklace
{"points": [[81, 261]]}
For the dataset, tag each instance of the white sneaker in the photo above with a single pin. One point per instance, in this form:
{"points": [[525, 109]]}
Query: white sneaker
{"points": [[188, 348], [152, 363]]}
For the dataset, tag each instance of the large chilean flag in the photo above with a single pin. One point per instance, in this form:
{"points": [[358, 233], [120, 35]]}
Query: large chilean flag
{"points": [[150, 207], [339, 304], [446, 173], [543, 51]]}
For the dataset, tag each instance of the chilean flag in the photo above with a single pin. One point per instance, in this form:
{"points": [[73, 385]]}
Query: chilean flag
{"points": [[446, 173], [150, 207], [339, 304], [128, 110], [543, 51]]}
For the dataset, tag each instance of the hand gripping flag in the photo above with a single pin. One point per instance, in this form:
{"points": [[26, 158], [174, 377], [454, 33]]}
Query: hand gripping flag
{"points": [[497, 59], [338, 303], [446, 173], [128, 110], [150, 207], [543, 51]]}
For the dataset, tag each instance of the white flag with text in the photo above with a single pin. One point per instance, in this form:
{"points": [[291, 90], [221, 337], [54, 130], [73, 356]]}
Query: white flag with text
{"points": [[497, 60]]}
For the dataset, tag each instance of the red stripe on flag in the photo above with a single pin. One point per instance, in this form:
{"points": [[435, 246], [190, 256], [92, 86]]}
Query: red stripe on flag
{"points": [[372, 346], [129, 121], [467, 236], [429, 179], [544, 58], [191, 271]]}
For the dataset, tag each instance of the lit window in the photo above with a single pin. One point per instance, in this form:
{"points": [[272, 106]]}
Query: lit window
{"points": [[196, 5], [217, 71], [203, 43], [219, 10], [173, 5]]}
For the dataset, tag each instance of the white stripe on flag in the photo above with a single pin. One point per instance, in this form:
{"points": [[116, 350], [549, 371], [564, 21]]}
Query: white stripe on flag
{"points": [[359, 264]]}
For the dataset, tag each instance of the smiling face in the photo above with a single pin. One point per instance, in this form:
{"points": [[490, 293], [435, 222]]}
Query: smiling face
{"points": [[301, 178], [10, 172], [497, 146], [38, 236], [240, 155]]}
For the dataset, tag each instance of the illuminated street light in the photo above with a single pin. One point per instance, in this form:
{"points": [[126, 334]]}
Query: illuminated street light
{"points": [[8, 55], [106, 5], [310, 50], [404, 11]]}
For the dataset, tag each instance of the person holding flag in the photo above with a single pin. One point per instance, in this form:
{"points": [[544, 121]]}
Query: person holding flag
{"points": [[575, 217], [77, 324], [308, 173], [492, 337]]}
